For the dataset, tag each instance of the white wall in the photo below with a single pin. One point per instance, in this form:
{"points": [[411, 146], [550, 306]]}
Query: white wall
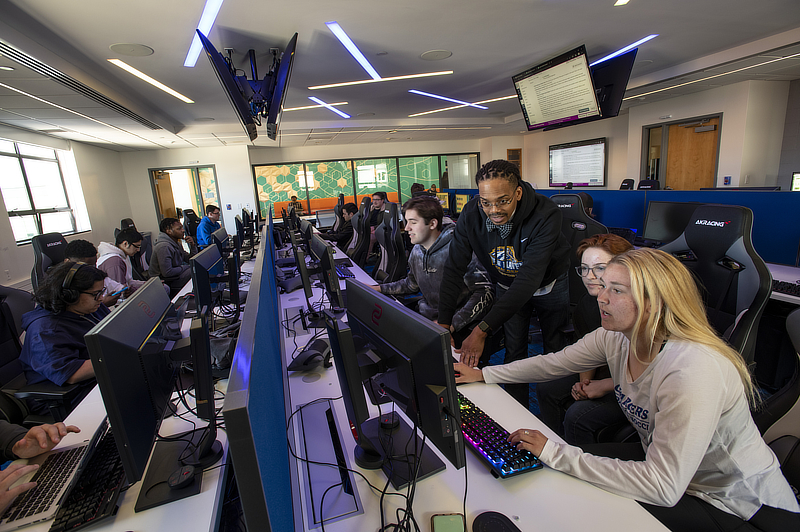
{"points": [[234, 179], [536, 152], [103, 189], [766, 117]]}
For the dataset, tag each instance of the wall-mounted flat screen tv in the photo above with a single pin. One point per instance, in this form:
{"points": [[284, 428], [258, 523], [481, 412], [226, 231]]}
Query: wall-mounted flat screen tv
{"points": [[583, 163], [557, 91]]}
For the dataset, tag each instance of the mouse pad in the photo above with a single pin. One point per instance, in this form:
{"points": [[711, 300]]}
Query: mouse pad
{"points": [[493, 522]]}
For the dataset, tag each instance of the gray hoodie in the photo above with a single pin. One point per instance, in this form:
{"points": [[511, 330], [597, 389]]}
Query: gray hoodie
{"points": [[426, 269], [169, 260]]}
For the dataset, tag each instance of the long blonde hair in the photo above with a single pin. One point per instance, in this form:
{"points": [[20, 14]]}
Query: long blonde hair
{"points": [[676, 308]]}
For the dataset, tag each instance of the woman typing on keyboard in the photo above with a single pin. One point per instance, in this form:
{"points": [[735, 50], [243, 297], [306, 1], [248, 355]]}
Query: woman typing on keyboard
{"points": [[701, 464]]}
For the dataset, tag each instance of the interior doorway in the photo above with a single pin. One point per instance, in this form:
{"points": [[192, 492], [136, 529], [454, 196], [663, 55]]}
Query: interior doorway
{"points": [[178, 189], [682, 155]]}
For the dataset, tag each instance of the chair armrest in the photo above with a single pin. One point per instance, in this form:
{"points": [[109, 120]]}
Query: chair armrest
{"points": [[48, 391]]}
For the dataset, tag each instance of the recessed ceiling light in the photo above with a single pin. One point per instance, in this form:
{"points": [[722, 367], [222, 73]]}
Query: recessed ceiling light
{"points": [[206, 22], [394, 78], [204, 119], [131, 49], [144, 77], [621, 2], [6, 68], [364, 115], [382, 53], [435, 55]]}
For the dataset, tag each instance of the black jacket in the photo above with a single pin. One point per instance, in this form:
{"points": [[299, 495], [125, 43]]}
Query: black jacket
{"points": [[534, 255], [341, 236]]}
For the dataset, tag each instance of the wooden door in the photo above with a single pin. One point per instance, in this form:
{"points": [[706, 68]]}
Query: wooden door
{"points": [[163, 186], [692, 155]]}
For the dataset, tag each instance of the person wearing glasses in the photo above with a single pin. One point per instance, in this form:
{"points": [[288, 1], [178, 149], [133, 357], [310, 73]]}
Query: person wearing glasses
{"points": [[68, 305], [516, 235], [208, 225], [84, 251], [115, 259], [578, 406]]}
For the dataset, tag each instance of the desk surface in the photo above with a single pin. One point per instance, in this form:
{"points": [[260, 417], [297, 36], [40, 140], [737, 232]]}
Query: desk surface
{"points": [[195, 513], [539, 500]]}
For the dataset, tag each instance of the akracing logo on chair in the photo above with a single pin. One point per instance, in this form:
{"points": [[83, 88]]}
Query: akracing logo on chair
{"points": [[712, 223], [565, 205], [51, 244]]}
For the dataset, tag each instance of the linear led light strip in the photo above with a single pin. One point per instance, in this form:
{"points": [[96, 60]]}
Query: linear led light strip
{"points": [[207, 19], [405, 130], [144, 77], [711, 77], [310, 107], [18, 91], [351, 47], [460, 106], [329, 107]]}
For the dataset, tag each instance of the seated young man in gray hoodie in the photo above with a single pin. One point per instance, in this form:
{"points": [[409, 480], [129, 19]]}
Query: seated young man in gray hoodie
{"points": [[169, 260], [431, 240]]}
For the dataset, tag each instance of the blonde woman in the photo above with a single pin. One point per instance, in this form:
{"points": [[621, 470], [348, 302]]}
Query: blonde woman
{"points": [[701, 464]]}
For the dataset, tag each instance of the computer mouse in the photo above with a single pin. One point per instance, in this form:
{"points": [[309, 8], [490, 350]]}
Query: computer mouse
{"points": [[182, 477], [315, 353], [493, 522]]}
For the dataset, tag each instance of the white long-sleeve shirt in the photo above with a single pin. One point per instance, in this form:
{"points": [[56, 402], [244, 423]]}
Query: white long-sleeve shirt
{"points": [[690, 410]]}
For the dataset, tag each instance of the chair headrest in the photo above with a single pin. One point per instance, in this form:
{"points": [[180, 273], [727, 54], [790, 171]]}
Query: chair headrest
{"points": [[51, 245], [713, 229], [570, 205]]}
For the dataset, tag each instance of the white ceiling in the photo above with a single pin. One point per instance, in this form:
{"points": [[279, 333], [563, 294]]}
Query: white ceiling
{"points": [[489, 40]]}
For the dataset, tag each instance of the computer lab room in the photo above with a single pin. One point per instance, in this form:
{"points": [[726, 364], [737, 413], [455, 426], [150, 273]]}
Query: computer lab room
{"points": [[413, 266]]}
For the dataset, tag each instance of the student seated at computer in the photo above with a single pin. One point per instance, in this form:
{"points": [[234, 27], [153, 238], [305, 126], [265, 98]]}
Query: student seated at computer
{"points": [[170, 261], [18, 442], [115, 259], [579, 406], [702, 463], [208, 225], [84, 251], [296, 205], [344, 233], [431, 241], [375, 217], [68, 305]]}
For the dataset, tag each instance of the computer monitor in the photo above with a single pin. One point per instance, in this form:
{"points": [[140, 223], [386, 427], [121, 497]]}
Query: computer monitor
{"points": [[444, 199], [206, 270], [406, 357], [795, 182], [136, 362], [306, 231], [583, 163], [220, 238], [666, 220], [312, 319], [461, 201], [323, 252]]}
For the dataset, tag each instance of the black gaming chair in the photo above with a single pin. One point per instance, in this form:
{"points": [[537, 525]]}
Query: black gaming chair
{"points": [[717, 247], [48, 250], [576, 225], [357, 249], [337, 211], [649, 184], [627, 184], [191, 221], [59, 399], [394, 263]]}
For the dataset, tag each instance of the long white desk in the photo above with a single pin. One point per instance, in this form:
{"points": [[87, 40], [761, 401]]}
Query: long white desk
{"points": [[199, 512], [540, 500]]}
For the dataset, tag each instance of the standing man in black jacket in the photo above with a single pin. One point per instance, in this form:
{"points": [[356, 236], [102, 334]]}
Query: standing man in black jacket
{"points": [[516, 234]]}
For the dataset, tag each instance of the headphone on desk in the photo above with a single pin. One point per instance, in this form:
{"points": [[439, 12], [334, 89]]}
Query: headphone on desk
{"points": [[70, 295]]}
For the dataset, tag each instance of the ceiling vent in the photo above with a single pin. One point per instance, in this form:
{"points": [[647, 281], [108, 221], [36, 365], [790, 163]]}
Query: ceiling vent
{"points": [[73, 84]]}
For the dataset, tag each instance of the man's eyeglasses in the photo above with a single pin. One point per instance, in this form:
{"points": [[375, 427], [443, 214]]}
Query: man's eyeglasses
{"points": [[597, 270], [499, 203], [137, 246], [96, 295]]}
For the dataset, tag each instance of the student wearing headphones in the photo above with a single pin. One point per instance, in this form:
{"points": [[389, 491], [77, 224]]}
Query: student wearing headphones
{"points": [[68, 305]]}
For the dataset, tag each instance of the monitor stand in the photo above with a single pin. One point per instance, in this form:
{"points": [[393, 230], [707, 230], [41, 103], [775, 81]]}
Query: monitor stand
{"points": [[392, 436], [164, 461]]}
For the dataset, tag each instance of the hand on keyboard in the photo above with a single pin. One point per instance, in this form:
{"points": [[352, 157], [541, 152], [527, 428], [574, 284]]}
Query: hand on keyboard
{"points": [[531, 440], [41, 439], [466, 374], [8, 476]]}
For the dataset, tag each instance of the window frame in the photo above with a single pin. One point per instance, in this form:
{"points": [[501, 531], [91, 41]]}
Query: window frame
{"points": [[37, 213]]}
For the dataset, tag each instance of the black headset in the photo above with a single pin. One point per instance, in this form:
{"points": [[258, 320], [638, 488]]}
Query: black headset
{"points": [[70, 295]]}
